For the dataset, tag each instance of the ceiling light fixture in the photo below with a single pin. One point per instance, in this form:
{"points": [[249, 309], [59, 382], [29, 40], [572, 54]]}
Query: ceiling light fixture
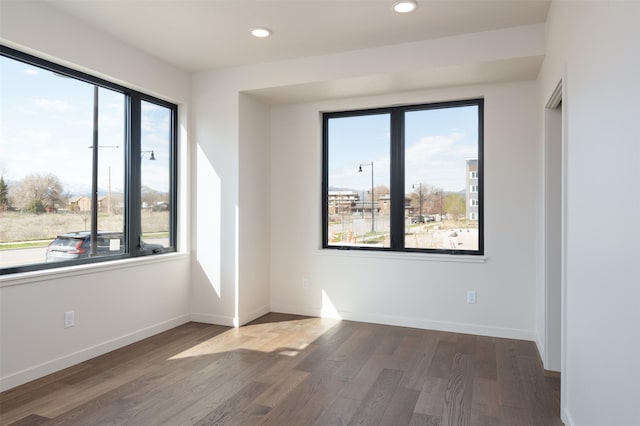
{"points": [[261, 32], [405, 6]]}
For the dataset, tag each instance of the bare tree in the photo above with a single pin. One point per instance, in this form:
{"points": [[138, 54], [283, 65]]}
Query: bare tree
{"points": [[454, 205], [379, 191], [426, 198], [85, 215], [4, 195], [37, 189]]}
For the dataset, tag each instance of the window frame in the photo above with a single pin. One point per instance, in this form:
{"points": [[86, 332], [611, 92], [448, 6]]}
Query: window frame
{"points": [[397, 175], [132, 165]]}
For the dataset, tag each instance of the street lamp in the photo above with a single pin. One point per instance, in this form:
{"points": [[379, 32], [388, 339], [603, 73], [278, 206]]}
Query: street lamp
{"points": [[152, 156], [373, 229], [420, 197]]}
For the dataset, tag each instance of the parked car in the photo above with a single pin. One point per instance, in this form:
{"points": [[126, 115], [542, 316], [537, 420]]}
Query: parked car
{"points": [[418, 219], [77, 245]]}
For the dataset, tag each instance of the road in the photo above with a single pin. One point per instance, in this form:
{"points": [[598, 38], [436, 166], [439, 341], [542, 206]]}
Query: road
{"points": [[29, 256], [23, 256]]}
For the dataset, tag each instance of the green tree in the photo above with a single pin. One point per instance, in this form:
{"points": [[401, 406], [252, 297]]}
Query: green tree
{"points": [[454, 205], [36, 206], [4, 195]]}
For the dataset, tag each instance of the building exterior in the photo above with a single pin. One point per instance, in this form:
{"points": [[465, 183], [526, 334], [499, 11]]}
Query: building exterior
{"points": [[342, 202], [472, 199]]}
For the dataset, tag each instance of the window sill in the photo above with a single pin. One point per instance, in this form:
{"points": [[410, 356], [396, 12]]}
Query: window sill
{"points": [[72, 271], [412, 256]]}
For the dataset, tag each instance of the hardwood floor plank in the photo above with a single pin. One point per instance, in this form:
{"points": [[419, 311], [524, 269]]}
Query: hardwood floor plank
{"points": [[282, 389], [442, 361], [421, 354], [294, 370], [485, 360], [538, 397], [480, 420], [419, 419], [354, 352], [509, 380], [485, 399], [339, 413], [378, 397], [432, 397], [305, 406], [400, 409], [225, 412], [457, 401], [326, 345], [31, 420], [510, 416], [285, 364], [466, 344]]}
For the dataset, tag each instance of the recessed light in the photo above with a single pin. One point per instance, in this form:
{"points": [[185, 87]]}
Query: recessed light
{"points": [[261, 32], [405, 6]]}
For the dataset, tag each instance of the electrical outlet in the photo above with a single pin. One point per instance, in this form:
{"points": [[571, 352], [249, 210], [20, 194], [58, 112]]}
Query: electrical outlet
{"points": [[69, 319], [471, 297], [305, 283]]}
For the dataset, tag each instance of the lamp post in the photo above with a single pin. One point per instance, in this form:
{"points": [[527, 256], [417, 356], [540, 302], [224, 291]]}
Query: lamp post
{"points": [[373, 229], [420, 198], [152, 155], [94, 178]]}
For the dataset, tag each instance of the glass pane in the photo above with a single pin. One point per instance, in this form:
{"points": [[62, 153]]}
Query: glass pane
{"points": [[359, 203], [155, 176], [111, 142], [441, 178], [46, 135]]}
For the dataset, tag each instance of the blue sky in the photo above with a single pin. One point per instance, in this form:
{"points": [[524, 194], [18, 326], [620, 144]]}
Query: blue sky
{"points": [[437, 143], [46, 127]]}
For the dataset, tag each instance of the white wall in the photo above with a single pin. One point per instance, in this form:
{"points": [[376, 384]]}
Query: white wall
{"points": [[255, 199], [118, 303], [405, 289], [231, 270], [595, 43]]}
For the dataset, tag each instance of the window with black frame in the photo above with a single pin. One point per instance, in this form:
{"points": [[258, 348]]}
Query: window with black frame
{"points": [[87, 170], [407, 178]]}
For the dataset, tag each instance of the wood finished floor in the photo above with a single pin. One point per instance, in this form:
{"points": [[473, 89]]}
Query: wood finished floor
{"points": [[293, 370]]}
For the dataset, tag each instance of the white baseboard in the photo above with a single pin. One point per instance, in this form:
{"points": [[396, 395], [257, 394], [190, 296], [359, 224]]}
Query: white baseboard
{"points": [[423, 323], [540, 347], [257, 313], [230, 321], [214, 319], [567, 419], [41, 370]]}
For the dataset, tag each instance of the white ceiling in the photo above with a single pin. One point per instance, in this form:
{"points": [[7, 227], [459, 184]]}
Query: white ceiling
{"points": [[197, 35]]}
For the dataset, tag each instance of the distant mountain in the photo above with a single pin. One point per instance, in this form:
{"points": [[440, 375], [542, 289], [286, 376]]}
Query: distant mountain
{"points": [[335, 188]]}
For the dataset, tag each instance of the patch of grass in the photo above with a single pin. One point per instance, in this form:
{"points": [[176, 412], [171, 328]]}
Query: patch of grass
{"points": [[16, 227], [27, 244], [155, 235]]}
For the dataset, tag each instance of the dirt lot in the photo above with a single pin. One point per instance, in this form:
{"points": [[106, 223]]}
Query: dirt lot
{"points": [[16, 226]]}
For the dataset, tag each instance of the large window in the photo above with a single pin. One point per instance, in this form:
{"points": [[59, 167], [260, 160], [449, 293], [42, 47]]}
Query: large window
{"points": [[87, 170], [404, 178]]}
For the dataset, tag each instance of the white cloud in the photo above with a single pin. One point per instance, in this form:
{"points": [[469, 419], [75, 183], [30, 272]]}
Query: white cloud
{"points": [[55, 105], [35, 136], [439, 160], [31, 71]]}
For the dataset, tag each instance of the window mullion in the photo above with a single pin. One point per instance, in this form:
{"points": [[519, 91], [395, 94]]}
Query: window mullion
{"points": [[94, 176], [133, 171], [397, 179]]}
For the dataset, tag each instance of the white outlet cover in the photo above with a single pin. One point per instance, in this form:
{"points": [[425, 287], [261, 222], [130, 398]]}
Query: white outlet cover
{"points": [[69, 319]]}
